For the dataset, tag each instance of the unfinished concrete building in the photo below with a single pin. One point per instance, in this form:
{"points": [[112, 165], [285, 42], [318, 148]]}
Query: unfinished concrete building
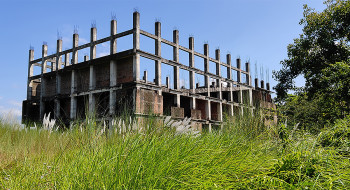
{"points": [[107, 86]]}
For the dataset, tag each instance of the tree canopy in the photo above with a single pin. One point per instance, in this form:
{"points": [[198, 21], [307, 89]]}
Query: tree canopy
{"points": [[323, 43], [322, 55]]}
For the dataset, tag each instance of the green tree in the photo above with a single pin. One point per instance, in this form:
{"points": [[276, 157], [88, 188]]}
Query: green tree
{"points": [[324, 42], [322, 55]]}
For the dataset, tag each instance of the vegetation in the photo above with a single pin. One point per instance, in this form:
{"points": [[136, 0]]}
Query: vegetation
{"points": [[322, 55], [244, 155]]}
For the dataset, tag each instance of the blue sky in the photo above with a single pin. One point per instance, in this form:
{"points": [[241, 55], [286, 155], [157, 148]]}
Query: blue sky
{"points": [[255, 30]]}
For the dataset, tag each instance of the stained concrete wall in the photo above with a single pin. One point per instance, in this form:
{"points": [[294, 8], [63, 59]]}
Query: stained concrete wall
{"points": [[125, 70], [83, 79], [102, 75], [66, 79], [50, 86]]}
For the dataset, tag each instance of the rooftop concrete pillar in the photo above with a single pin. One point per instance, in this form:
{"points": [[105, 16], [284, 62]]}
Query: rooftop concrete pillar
{"points": [[86, 58], [57, 102], [44, 62], [191, 63], [66, 59], [239, 73], [256, 82], [206, 68], [43, 85], [93, 38], [75, 51], [30, 74], [136, 46], [268, 86], [145, 76], [113, 42], [218, 72], [158, 50], [262, 84], [58, 56], [229, 76], [176, 59], [247, 68], [167, 82], [193, 103]]}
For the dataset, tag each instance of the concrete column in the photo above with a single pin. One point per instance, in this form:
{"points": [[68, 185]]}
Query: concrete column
{"points": [[75, 51], [136, 46], [229, 76], [30, 74], [247, 68], [192, 103], [113, 42], [66, 59], [145, 76], [219, 111], [239, 74], [262, 84], [167, 82], [206, 68], [218, 72], [268, 86], [113, 69], [177, 100], [93, 38], [86, 58], [73, 102], [191, 62], [44, 62], [43, 85], [158, 52], [208, 110], [176, 59], [256, 81], [58, 79]]}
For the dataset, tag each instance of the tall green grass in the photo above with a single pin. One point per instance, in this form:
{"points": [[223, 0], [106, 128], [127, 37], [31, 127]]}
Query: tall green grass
{"points": [[245, 154]]}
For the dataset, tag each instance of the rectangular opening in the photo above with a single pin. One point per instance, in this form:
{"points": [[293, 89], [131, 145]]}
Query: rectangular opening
{"points": [[149, 66], [82, 53], [223, 71], [36, 70], [199, 80], [185, 104], [147, 44], [243, 78], [82, 106], [103, 49], [168, 71], [184, 58], [167, 51], [184, 79], [102, 104], [125, 43], [212, 67], [199, 63], [168, 102]]}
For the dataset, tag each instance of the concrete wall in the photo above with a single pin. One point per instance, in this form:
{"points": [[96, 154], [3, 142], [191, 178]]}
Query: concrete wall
{"points": [[66, 79], [125, 70], [102, 75], [83, 80], [50, 86]]}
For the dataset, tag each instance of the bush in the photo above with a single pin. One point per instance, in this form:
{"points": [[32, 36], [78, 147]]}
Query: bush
{"points": [[338, 135]]}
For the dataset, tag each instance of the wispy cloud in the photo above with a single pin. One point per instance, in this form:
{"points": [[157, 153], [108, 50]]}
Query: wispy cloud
{"points": [[15, 103]]}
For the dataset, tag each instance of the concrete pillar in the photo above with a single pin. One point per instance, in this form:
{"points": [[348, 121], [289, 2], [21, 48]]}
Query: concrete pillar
{"points": [[93, 38], [66, 59], [208, 110], [113, 42], [176, 59], [43, 85], [30, 74], [86, 58], [192, 103], [191, 63], [256, 81], [59, 57], [158, 52], [145, 76], [229, 76], [167, 82], [113, 69], [136, 46], [58, 79], [219, 111], [206, 68], [218, 72], [247, 68], [268, 86], [177, 100], [44, 62], [239, 73], [262, 84], [73, 102], [75, 51]]}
